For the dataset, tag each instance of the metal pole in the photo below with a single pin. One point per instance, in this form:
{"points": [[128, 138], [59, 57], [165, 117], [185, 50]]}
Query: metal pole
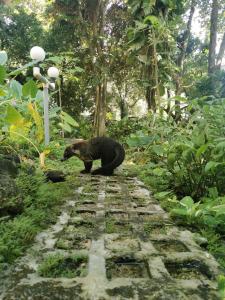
{"points": [[46, 117], [46, 86]]}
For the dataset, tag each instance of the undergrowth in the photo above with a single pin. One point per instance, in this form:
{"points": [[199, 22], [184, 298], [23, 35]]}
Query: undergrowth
{"points": [[183, 164], [41, 205]]}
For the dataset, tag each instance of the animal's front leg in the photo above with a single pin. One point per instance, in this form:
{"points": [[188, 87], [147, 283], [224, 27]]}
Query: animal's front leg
{"points": [[88, 166]]}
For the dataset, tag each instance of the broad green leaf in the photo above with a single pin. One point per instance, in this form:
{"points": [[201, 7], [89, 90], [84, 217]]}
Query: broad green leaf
{"points": [[187, 202], [211, 165], [2, 92], [179, 212], [65, 127], [13, 116], [158, 149], [180, 99], [219, 209], [201, 150], [2, 74], [16, 89], [53, 112], [171, 159], [30, 89], [152, 19], [221, 145], [18, 132], [3, 57], [39, 95], [162, 195], [68, 119]]}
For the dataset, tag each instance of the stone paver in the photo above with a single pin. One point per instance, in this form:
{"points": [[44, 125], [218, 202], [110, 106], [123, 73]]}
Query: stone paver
{"points": [[127, 246]]}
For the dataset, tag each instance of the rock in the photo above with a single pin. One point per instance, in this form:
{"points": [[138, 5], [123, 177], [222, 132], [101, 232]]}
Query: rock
{"points": [[9, 164], [10, 201]]}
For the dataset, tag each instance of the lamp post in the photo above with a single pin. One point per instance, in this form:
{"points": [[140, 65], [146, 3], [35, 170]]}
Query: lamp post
{"points": [[38, 55]]}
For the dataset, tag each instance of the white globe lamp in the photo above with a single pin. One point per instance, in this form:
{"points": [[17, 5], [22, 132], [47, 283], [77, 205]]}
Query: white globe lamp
{"points": [[53, 72], [37, 53]]}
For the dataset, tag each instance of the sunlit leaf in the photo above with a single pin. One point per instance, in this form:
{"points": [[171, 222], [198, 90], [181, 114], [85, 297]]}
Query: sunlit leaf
{"points": [[13, 116], [3, 57], [2, 74], [32, 107], [30, 89], [65, 127], [16, 89], [68, 119], [187, 202], [211, 165]]}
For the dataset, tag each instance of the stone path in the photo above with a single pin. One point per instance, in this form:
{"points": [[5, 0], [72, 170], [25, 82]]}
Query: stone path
{"points": [[113, 241]]}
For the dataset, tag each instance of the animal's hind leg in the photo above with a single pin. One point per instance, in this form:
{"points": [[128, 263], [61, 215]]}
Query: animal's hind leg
{"points": [[103, 170], [107, 172]]}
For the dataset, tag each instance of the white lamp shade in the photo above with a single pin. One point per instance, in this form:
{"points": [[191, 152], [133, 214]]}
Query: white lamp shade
{"points": [[37, 53], [53, 72]]}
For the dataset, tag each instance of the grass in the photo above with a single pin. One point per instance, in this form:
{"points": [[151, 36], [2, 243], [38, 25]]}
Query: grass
{"points": [[59, 265], [113, 226], [41, 205]]}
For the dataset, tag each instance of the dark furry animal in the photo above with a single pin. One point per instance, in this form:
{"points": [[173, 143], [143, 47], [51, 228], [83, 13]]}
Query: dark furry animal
{"points": [[109, 151], [54, 176]]}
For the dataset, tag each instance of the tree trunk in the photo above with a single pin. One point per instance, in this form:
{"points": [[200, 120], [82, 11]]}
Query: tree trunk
{"points": [[123, 109], [150, 94], [184, 44], [100, 109], [213, 37], [180, 60], [221, 53], [100, 104], [186, 37], [150, 98]]}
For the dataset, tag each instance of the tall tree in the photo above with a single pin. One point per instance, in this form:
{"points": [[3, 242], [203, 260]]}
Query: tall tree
{"points": [[213, 36], [151, 38], [16, 37], [221, 52], [96, 13], [183, 44]]}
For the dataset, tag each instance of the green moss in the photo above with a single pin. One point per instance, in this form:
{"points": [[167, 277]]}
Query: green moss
{"points": [[113, 226], [150, 228], [59, 265], [41, 205]]}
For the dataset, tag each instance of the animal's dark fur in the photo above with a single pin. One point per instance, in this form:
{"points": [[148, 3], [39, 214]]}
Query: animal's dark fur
{"points": [[109, 151]]}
